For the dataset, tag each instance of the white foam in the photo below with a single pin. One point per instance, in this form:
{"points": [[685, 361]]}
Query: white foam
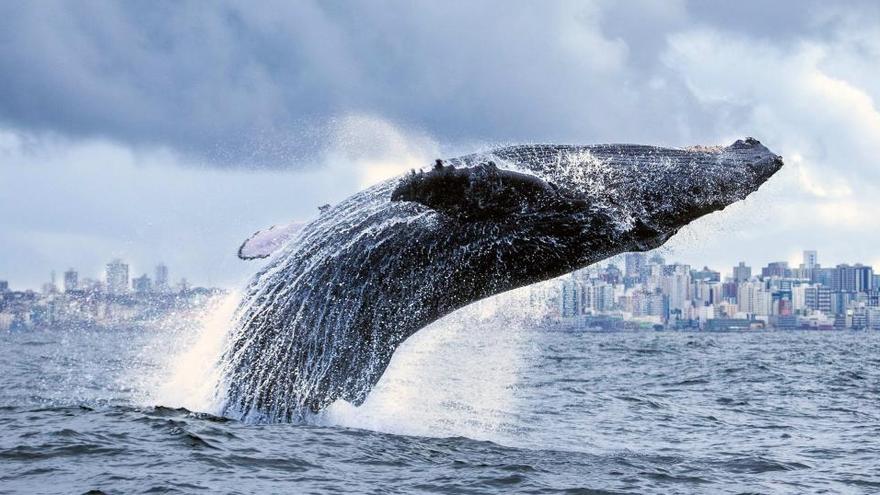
{"points": [[187, 373], [455, 377]]}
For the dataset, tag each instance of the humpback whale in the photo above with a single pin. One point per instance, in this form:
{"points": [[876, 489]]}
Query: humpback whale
{"points": [[322, 319]]}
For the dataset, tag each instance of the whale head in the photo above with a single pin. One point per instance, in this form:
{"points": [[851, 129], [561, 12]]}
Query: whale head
{"points": [[573, 205]]}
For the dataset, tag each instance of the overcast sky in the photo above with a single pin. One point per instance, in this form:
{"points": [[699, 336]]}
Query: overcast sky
{"points": [[170, 131]]}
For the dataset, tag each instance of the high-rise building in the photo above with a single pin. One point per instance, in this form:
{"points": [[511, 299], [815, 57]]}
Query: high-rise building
{"points": [[50, 288], [840, 301], [612, 274], [818, 298], [811, 259], [4, 286], [823, 276], [71, 280], [706, 274], [873, 317], [798, 298], [571, 298], [161, 278], [864, 278], [742, 273], [117, 277], [603, 296], [728, 291], [856, 278], [775, 269], [142, 284], [675, 285], [635, 265], [754, 298]]}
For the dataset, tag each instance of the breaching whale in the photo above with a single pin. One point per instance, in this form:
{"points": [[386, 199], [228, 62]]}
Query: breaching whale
{"points": [[322, 319]]}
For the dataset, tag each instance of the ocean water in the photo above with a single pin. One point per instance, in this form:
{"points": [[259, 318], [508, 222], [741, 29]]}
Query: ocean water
{"points": [[475, 403]]}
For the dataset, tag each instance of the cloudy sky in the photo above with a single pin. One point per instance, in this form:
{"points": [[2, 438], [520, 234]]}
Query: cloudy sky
{"points": [[170, 131]]}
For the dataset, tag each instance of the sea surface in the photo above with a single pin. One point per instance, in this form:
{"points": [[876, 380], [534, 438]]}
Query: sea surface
{"points": [[472, 404]]}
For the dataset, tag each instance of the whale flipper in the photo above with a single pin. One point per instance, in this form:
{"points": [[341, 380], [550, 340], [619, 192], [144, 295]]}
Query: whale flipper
{"points": [[265, 242]]}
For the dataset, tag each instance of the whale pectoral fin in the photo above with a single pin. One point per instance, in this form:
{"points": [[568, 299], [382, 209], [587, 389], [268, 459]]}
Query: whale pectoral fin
{"points": [[265, 242]]}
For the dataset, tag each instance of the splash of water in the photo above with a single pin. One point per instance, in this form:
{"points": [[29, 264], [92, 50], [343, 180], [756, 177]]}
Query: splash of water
{"points": [[456, 377], [188, 355]]}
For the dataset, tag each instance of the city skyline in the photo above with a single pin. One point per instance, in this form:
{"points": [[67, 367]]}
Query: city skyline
{"points": [[627, 291], [808, 258], [116, 300], [117, 276], [649, 292]]}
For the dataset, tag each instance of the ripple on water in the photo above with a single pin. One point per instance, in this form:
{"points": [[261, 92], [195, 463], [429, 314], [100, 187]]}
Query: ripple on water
{"points": [[581, 413]]}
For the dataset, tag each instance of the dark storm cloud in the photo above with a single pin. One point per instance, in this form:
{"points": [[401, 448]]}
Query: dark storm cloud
{"points": [[256, 82], [260, 82], [241, 82]]}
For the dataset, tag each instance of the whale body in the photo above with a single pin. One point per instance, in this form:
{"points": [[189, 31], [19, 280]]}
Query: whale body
{"points": [[321, 321]]}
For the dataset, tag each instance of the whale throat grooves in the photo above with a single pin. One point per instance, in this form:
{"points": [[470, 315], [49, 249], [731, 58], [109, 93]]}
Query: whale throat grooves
{"points": [[322, 319]]}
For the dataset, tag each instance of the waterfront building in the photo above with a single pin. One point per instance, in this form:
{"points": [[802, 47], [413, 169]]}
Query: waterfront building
{"points": [[775, 269], [726, 309], [823, 276], [706, 274], [635, 268], [811, 259], [856, 278], [601, 296], [799, 298], [742, 273], [71, 280], [612, 274], [818, 298], [117, 277], [142, 284], [676, 284], [872, 314], [754, 299], [571, 298], [161, 278], [857, 317]]}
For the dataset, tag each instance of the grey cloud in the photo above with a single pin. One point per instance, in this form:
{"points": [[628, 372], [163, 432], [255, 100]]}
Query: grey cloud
{"points": [[104, 101], [237, 82]]}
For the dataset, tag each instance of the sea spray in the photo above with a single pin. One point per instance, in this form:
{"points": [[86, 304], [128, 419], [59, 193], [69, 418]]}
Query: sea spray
{"points": [[457, 377], [186, 356]]}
